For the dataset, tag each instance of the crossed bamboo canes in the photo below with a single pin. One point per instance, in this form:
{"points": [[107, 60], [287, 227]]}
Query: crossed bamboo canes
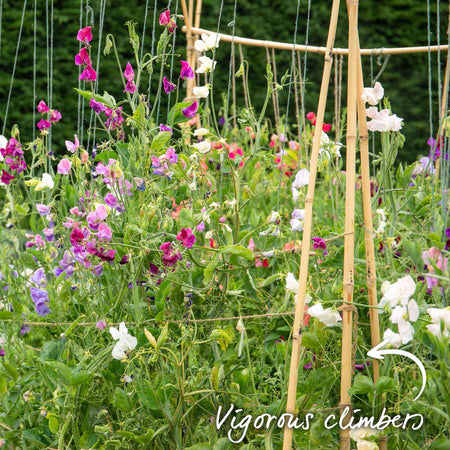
{"points": [[355, 113]]}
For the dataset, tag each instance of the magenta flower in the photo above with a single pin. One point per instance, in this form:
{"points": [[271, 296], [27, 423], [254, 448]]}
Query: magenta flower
{"points": [[55, 116], [168, 86], [101, 325], [85, 35], [6, 177], [163, 127], [130, 87], [190, 111], [42, 107], [187, 237], [129, 72], [97, 106], [104, 232], [171, 156], [319, 243], [111, 200], [72, 146], [186, 71], [64, 166], [43, 124], [170, 257], [166, 21], [82, 59], [88, 74]]}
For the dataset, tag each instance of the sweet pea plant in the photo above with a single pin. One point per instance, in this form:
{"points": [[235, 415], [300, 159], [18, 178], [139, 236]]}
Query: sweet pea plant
{"points": [[128, 267]]}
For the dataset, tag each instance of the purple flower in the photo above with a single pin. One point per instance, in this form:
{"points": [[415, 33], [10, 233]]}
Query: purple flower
{"points": [[44, 124], [43, 210], [168, 86], [129, 72], [97, 270], [447, 232], [2, 352], [111, 200], [163, 127], [319, 243], [201, 226], [362, 366], [191, 110], [187, 237], [97, 106], [130, 87], [101, 325], [171, 155], [39, 278], [186, 71], [42, 309], [38, 295], [24, 329]]}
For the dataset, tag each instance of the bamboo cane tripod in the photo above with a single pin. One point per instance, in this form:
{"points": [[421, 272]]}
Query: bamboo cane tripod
{"points": [[355, 114]]}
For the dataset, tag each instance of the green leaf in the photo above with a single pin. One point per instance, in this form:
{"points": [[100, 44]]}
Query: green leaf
{"points": [[106, 156], [80, 377], [208, 272], [6, 314], [204, 446], [414, 251], [11, 370], [59, 371], [442, 444], [384, 384], [53, 423], [121, 400], [223, 336], [237, 250], [362, 385], [160, 140], [3, 386], [186, 218], [175, 114]]}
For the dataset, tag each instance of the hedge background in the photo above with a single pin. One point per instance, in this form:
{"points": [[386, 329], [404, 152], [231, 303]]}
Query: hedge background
{"points": [[395, 23]]}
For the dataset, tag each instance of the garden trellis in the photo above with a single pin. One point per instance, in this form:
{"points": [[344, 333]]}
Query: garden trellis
{"points": [[356, 117]]}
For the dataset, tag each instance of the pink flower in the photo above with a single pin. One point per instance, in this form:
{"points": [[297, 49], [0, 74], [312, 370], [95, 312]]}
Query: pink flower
{"points": [[168, 86], [55, 116], [64, 167], [186, 71], [101, 325], [311, 116], [187, 237], [6, 177], [98, 107], [85, 35], [190, 111], [72, 146], [129, 72], [130, 87], [88, 74], [44, 124], [166, 21], [104, 232], [82, 59], [42, 107], [201, 226]]}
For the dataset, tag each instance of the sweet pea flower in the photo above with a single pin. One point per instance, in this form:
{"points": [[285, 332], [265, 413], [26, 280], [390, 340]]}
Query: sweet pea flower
{"points": [[43, 210], [82, 58], [55, 116], [187, 237], [200, 132], [440, 322], [124, 340], [327, 316], [207, 65], [291, 283], [397, 293], [6, 177], [168, 86], [373, 95], [85, 35], [207, 42], [43, 124], [64, 166], [72, 146], [129, 72], [186, 71], [88, 74], [42, 107], [383, 120], [98, 107], [46, 182], [202, 146], [104, 232], [301, 179], [201, 91], [166, 21], [190, 111]]}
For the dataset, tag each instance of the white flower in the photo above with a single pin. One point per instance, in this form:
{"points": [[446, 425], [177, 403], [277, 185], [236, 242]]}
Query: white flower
{"points": [[393, 338], [201, 132], [291, 283], [207, 65], [413, 310], [381, 213], [440, 319], [124, 340], [193, 186], [274, 217], [398, 293], [268, 254], [373, 95], [326, 316], [3, 144], [208, 42], [46, 182], [381, 227], [296, 225], [240, 326], [298, 214], [326, 145], [301, 179], [366, 445], [203, 146], [201, 91], [295, 194], [397, 313], [405, 330], [383, 120], [359, 434]]}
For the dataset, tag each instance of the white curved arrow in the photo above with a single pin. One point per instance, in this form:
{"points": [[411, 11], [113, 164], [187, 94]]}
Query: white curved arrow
{"points": [[377, 353]]}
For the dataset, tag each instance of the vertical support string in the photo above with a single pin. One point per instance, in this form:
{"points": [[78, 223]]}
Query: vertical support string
{"points": [[14, 67], [153, 48], [34, 68]]}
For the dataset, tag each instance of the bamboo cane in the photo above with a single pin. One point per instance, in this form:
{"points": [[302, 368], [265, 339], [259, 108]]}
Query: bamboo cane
{"points": [[306, 241], [318, 49], [368, 229], [349, 239], [198, 12]]}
